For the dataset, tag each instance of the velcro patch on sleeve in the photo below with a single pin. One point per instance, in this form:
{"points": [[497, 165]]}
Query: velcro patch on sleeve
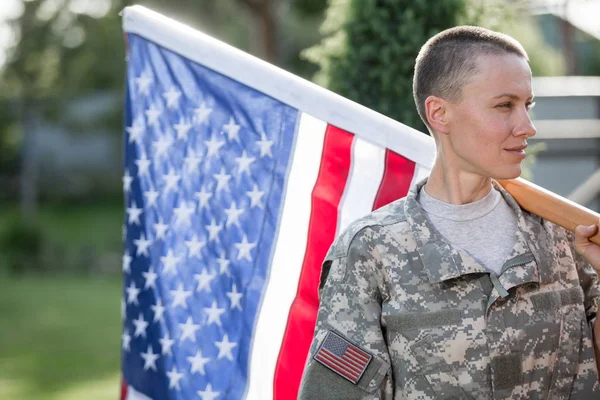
{"points": [[342, 357]]}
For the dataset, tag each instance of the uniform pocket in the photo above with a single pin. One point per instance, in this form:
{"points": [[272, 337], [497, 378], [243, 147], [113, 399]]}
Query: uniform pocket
{"points": [[427, 334], [436, 370], [568, 353], [567, 306]]}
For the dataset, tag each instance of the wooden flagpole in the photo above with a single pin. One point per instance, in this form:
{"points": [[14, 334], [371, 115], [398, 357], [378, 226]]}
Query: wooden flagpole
{"points": [[551, 206]]}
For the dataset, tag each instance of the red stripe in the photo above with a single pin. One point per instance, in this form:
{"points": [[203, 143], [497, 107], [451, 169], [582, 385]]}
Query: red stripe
{"points": [[123, 389], [358, 352], [326, 196], [354, 359], [343, 364], [352, 378], [338, 367], [350, 366], [360, 358], [396, 180]]}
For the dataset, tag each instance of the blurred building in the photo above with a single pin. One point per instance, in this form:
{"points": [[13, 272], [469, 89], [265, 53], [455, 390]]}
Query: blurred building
{"points": [[572, 28], [567, 117], [567, 112], [78, 156]]}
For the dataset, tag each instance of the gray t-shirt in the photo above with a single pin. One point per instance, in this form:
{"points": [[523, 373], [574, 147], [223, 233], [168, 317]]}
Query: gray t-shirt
{"points": [[485, 229]]}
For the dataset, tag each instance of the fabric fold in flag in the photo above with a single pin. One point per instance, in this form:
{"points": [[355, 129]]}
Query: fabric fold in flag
{"points": [[235, 186]]}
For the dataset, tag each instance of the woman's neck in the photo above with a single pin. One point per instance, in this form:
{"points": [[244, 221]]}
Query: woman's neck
{"points": [[456, 187]]}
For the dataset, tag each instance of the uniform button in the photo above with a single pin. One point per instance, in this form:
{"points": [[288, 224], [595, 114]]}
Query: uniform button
{"points": [[372, 383]]}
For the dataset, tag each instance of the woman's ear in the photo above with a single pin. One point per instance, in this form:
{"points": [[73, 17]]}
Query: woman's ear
{"points": [[436, 110]]}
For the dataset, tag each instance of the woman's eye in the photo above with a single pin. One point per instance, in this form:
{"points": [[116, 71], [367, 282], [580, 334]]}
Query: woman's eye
{"points": [[505, 105], [530, 106]]}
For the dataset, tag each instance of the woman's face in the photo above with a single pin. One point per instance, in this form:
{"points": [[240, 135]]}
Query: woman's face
{"points": [[490, 125]]}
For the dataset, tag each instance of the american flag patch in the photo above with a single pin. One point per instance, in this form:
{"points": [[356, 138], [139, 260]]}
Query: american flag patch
{"points": [[341, 356]]}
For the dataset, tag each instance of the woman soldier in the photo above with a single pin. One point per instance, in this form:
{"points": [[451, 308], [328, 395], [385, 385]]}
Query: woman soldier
{"points": [[455, 292]]}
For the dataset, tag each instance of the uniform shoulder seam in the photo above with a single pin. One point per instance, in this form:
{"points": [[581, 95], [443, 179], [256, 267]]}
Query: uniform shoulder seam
{"points": [[380, 218], [354, 236]]}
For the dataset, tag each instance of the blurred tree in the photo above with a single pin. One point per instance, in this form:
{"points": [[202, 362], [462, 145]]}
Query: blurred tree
{"points": [[49, 64], [274, 30], [62, 46], [67, 49], [299, 29], [369, 52], [58, 48], [263, 13], [270, 18], [369, 48]]}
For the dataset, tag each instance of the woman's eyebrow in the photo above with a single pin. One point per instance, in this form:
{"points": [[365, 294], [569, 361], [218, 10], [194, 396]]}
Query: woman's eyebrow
{"points": [[511, 96]]}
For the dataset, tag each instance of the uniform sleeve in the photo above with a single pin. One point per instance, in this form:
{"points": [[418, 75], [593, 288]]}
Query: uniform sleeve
{"points": [[349, 312], [588, 278]]}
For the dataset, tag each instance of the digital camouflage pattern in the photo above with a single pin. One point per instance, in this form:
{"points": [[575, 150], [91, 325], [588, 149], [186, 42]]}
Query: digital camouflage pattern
{"points": [[440, 326]]}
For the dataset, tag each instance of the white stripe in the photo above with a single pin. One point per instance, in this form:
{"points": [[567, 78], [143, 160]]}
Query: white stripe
{"points": [[367, 168], [287, 259], [279, 84]]}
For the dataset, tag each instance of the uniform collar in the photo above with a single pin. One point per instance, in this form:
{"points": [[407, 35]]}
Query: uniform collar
{"points": [[532, 240], [442, 261]]}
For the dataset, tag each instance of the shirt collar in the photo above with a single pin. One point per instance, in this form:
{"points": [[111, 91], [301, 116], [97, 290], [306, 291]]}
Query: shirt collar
{"points": [[443, 261]]}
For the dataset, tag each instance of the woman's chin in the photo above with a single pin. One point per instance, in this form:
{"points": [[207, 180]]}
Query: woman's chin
{"points": [[508, 173]]}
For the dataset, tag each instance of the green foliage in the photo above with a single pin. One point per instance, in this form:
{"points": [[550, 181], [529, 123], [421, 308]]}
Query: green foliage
{"points": [[298, 28], [369, 50], [64, 52], [369, 46], [10, 136], [22, 243], [74, 239], [61, 52], [309, 7]]}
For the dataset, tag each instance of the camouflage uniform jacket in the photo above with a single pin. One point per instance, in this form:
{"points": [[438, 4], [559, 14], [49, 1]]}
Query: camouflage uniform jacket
{"points": [[438, 325]]}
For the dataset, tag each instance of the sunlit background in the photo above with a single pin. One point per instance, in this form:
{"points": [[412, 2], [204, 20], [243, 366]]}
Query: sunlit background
{"points": [[62, 72]]}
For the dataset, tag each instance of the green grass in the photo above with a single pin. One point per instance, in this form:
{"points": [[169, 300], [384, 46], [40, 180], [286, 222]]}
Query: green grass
{"points": [[59, 338], [60, 334]]}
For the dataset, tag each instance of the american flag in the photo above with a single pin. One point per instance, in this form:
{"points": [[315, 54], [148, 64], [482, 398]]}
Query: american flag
{"points": [[341, 356], [237, 178]]}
